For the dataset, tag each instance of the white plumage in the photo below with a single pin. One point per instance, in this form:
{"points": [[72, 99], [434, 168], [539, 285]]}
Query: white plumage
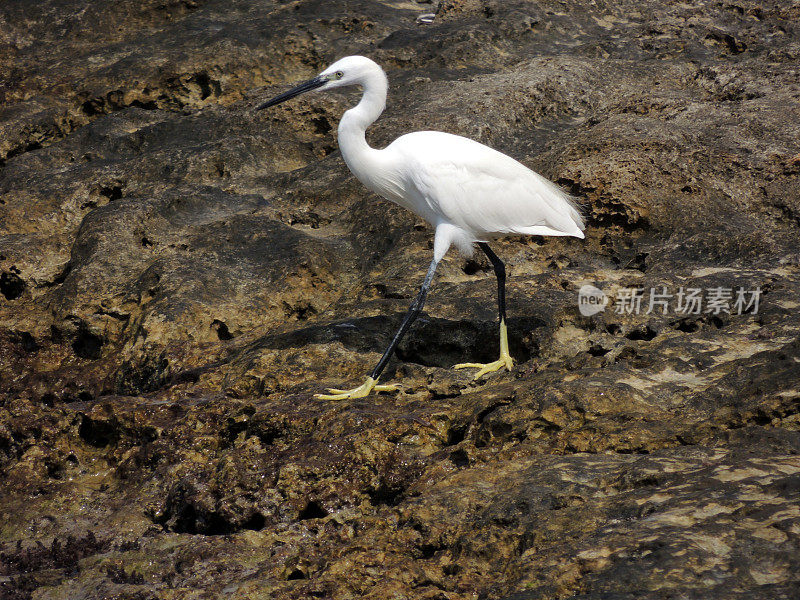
{"points": [[469, 192], [479, 190]]}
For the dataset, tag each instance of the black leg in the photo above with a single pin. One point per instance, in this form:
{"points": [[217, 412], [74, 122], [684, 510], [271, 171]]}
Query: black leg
{"points": [[505, 361], [413, 312], [500, 272]]}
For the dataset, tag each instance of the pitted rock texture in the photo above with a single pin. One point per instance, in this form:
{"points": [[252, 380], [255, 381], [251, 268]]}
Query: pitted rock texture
{"points": [[179, 275]]}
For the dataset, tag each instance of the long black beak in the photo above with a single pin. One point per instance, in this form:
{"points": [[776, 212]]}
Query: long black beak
{"points": [[309, 85]]}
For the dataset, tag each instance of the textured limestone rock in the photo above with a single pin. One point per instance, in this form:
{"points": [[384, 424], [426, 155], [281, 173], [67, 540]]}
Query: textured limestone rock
{"points": [[179, 275]]}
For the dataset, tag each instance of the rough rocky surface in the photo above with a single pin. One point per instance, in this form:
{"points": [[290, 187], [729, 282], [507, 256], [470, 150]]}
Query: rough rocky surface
{"points": [[180, 275]]}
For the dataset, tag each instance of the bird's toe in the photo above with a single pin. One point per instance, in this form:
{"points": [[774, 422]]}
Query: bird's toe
{"points": [[389, 387], [361, 391], [335, 396], [483, 368], [489, 368], [468, 366]]}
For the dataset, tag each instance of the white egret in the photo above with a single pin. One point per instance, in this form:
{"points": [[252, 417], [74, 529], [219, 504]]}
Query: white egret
{"points": [[468, 192]]}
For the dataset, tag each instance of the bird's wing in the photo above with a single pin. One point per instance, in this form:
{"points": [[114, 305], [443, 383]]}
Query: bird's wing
{"points": [[482, 190]]}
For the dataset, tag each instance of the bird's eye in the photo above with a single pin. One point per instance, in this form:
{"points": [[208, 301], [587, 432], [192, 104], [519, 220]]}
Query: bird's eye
{"points": [[339, 74]]}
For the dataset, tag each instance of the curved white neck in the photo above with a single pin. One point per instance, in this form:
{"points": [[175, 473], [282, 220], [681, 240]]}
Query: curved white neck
{"points": [[359, 156]]}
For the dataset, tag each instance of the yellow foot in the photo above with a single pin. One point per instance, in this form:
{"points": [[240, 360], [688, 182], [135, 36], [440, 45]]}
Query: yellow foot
{"points": [[504, 361], [361, 391]]}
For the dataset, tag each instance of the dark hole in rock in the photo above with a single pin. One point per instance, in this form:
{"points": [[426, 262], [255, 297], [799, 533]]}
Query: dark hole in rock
{"points": [[211, 524], [456, 434], [98, 433], [113, 192], [11, 285], [268, 433], [761, 419], [149, 105], [92, 107], [717, 321], [233, 428], [459, 458], [646, 334], [190, 520], [204, 82], [185, 513], [222, 330], [22, 149], [87, 344], [473, 266], [428, 550], [55, 469], [25, 340], [312, 511], [686, 325], [388, 495], [256, 522], [598, 350], [640, 262], [296, 574], [500, 430], [321, 125], [383, 292]]}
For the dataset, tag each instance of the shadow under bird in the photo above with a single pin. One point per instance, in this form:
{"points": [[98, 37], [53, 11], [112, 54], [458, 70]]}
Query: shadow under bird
{"points": [[468, 192]]}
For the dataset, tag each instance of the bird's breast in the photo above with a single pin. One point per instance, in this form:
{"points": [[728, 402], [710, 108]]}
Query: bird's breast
{"points": [[389, 183]]}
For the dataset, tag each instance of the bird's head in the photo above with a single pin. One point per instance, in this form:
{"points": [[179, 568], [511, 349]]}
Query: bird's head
{"points": [[350, 70]]}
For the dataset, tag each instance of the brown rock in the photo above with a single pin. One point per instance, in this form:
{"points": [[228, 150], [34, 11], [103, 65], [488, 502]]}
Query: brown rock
{"points": [[179, 275]]}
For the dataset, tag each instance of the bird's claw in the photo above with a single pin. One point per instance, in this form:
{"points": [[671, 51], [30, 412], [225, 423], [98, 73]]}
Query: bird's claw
{"points": [[503, 361], [361, 391]]}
